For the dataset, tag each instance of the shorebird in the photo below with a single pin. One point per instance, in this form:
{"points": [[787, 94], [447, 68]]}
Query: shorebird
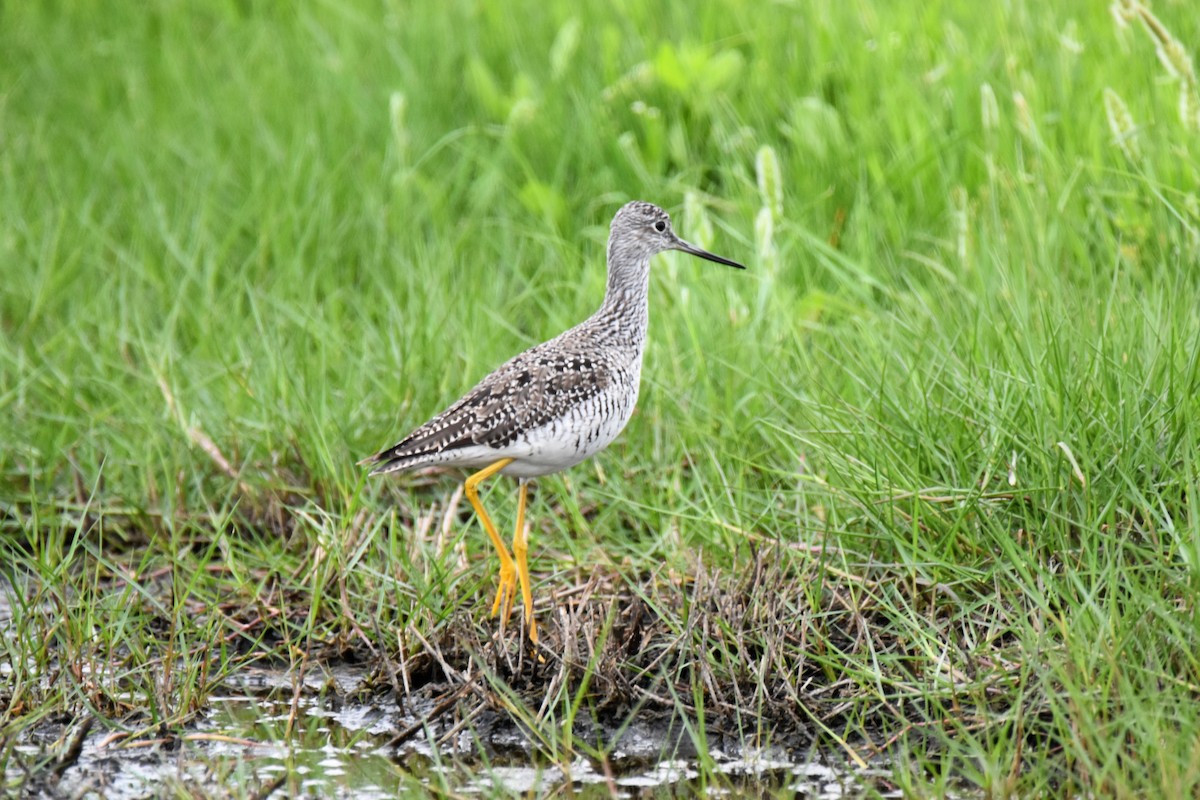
{"points": [[555, 404]]}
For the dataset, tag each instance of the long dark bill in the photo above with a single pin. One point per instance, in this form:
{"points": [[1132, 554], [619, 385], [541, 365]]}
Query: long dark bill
{"points": [[691, 249]]}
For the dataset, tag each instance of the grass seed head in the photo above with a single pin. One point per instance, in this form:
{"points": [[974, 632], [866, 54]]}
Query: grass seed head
{"points": [[770, 178], [1025, 123], [397, 106], [960, 215], [1189, 107], [562, 51], [1123, 12], [1121, 123], [764, 234], [1176, 61], [1071, 39], [989, 109], [1171, 52]]}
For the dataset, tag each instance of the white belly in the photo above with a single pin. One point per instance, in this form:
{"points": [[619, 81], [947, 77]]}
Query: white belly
{"points": [[571, 439]]}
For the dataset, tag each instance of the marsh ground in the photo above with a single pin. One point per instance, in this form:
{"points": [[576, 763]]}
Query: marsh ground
{"points": [[920, 484]]}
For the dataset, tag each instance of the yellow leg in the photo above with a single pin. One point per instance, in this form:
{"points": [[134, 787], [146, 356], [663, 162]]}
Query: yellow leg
{"points": [[520, 548], [508, 573]]}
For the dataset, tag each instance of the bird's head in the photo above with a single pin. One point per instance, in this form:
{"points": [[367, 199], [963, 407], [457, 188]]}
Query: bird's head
{"points": [[641, 229]]}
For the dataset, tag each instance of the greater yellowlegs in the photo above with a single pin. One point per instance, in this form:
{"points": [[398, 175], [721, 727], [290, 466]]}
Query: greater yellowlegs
{"points": [[557, 403]]}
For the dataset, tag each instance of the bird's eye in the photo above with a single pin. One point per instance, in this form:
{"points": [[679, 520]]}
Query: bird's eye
{"points": [[660, 226]]}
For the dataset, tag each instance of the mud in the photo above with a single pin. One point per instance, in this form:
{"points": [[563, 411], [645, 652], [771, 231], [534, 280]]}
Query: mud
{"points": [[258, 738], [678, 688]]}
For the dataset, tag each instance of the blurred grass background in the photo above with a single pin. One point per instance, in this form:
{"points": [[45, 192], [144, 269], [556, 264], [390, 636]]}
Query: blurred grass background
{"points": [[246, 243]]}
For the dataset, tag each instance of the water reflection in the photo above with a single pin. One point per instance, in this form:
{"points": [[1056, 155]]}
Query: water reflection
{"points": [[320, 745]]}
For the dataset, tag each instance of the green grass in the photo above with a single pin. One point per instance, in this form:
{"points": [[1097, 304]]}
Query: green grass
{"points": [[955, 401]]}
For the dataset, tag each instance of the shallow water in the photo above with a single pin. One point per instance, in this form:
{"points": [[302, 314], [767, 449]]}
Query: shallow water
{"points": [[333, 736], [323, 746]]}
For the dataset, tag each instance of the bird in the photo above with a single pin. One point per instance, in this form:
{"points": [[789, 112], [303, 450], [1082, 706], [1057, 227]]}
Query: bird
{"points": [[557, 403]]}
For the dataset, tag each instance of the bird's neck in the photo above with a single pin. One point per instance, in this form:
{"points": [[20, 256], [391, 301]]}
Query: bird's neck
{"points": [[625, 312]]}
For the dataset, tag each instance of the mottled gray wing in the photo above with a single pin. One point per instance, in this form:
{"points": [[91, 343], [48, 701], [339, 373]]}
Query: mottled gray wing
{"points": [[531, 390]]}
